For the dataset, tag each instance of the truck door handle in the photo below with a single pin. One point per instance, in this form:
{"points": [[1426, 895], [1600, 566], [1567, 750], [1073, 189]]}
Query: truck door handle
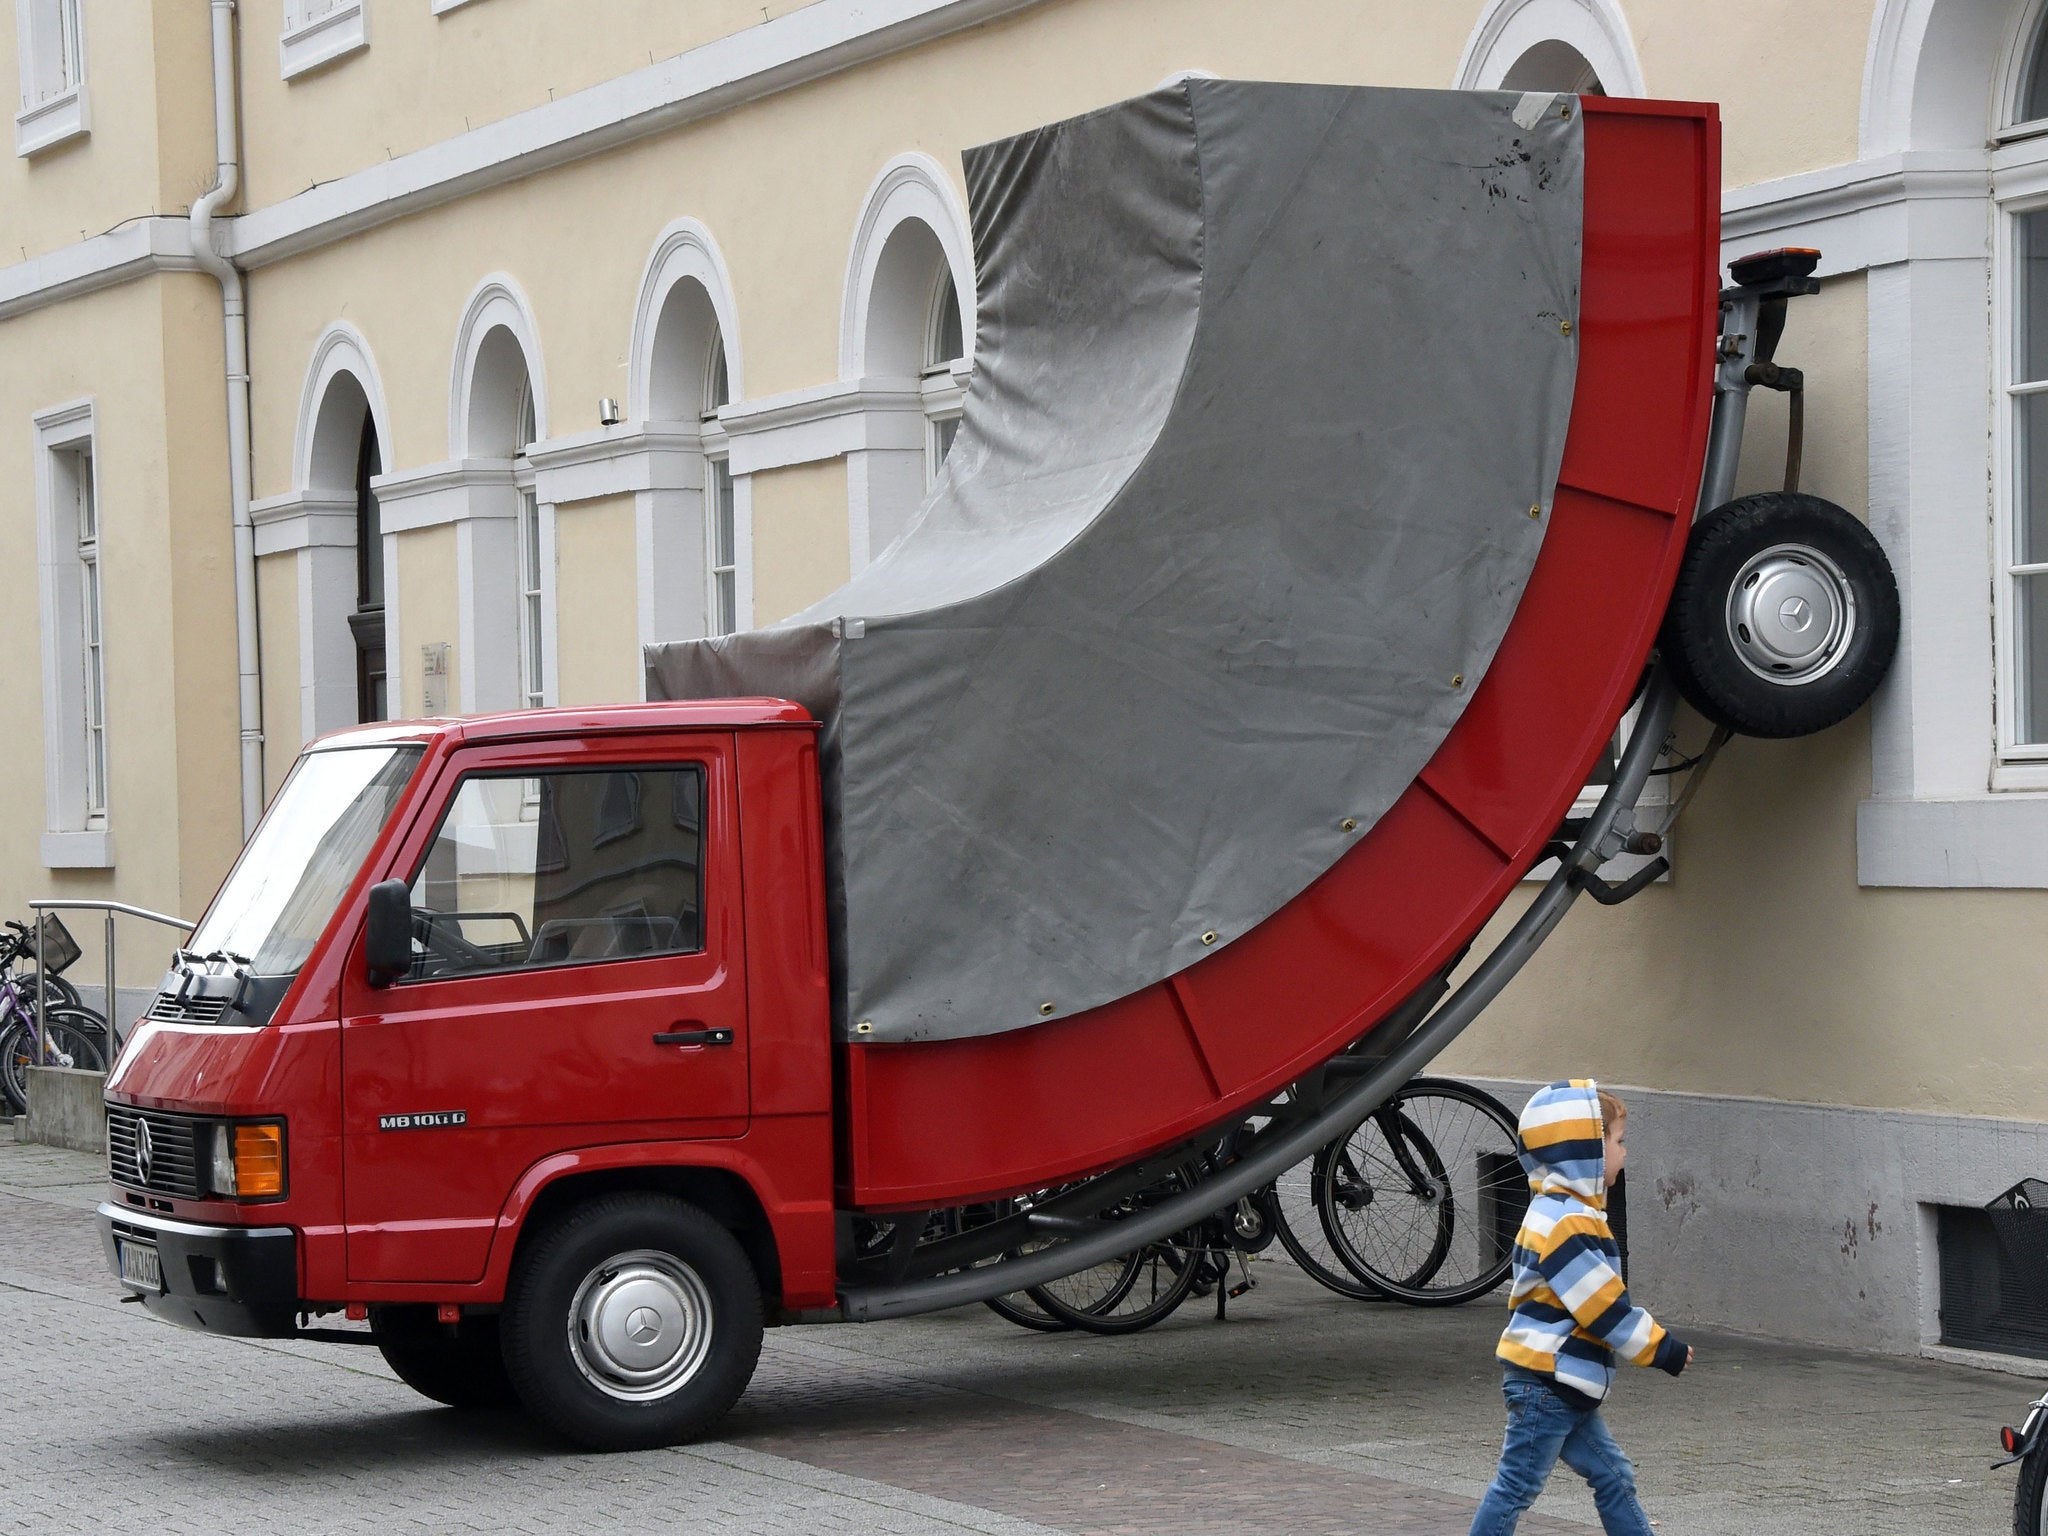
{"points": [[694, 1037]]}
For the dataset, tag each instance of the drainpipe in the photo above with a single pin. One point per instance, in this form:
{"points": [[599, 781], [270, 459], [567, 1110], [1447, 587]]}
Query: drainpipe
{"points": [[235, 332]]}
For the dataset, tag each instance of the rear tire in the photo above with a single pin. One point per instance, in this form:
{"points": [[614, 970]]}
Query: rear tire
{"points": [[1785, 617], [460, 1366], [632, 1322]]}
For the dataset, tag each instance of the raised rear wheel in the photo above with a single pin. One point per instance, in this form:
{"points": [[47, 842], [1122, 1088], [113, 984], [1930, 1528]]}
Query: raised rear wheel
{"points": [[634, 1321], [1785, 617]]}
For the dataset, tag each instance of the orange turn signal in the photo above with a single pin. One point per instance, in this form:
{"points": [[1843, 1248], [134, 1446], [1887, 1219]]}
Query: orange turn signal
{"points": [[259, 1161]]}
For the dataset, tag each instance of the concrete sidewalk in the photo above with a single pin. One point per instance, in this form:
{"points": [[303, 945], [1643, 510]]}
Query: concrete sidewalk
{"points": [[1303, 1413]]}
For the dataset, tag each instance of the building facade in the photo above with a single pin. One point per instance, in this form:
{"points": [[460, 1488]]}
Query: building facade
{"points": [[566, 334]]}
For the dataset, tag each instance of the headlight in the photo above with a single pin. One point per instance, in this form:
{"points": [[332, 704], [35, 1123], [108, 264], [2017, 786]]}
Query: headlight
{"points": [[248, 1161]]}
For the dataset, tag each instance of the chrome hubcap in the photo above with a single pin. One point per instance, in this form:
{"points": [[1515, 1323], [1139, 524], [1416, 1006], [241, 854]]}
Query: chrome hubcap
{"points": [[640, 1325], [1791, 614]]}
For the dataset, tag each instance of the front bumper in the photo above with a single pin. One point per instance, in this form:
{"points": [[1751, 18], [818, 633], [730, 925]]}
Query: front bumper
{"points": [[242, 1281]]}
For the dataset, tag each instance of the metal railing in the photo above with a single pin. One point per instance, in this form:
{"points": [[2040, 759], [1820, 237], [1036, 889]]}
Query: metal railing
{"points": [[110, 909]]}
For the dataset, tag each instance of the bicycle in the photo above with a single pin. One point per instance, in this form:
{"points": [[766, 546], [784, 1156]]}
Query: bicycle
{"points": [[70, 1034]]}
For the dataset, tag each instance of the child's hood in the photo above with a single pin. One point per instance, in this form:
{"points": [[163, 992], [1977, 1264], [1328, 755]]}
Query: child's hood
{"points": [[1563, 1142]]}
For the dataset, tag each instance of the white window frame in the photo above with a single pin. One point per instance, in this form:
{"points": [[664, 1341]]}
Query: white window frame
{"points": [[942, 389], [54, 109], [721, 501], [534, 650], [77, 834], [318, 33], [2019, 186]]}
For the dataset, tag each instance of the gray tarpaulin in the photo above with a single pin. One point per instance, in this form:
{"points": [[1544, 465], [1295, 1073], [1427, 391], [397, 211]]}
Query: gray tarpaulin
{"points": [[1267, 380]]}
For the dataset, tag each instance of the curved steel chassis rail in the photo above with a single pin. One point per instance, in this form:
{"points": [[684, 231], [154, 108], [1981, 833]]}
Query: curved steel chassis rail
{"points": [[1282, 1144]]}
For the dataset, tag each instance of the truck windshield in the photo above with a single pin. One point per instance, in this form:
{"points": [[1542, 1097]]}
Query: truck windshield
{"points": [[306, 850]]}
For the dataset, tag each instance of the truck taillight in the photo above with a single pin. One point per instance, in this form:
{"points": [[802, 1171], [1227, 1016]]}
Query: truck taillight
{"points": [[248, 1161]]}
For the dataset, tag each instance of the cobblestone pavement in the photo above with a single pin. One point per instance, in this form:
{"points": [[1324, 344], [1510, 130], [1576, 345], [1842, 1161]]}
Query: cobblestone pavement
{"points": [[1303, 1413]]}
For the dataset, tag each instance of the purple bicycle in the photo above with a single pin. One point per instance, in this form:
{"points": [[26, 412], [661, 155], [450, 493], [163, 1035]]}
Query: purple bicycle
{"points": [[69, 1035]]}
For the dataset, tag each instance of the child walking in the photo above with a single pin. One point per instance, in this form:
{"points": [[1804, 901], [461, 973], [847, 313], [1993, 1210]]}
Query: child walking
{"points": [[1571, 1316]]}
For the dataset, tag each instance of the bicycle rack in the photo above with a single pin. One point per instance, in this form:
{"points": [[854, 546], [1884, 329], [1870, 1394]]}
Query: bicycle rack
{"points": [[110, 910]]}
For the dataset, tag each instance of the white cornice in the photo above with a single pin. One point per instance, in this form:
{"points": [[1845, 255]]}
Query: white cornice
{"points": [[148, 245], [615, 461], [807, 425], [1867, 213], [454, 491], [303, 520], [801, 46]]}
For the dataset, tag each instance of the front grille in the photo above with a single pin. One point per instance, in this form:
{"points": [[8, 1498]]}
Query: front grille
{"points": [[173, 1146], [169, 1008]]}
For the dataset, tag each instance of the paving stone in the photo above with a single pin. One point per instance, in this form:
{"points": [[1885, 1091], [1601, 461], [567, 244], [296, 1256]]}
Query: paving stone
{"points": [[1303, 1413]]}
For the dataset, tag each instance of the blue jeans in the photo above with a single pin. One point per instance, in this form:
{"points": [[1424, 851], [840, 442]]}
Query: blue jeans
{"points": [[1542, 1428]]}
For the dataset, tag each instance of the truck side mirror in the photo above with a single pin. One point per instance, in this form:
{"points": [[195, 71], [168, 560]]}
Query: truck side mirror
{"points": [[387, 936]]}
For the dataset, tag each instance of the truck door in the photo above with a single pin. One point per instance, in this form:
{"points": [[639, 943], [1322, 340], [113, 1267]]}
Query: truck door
{"points": [[577, 979]]}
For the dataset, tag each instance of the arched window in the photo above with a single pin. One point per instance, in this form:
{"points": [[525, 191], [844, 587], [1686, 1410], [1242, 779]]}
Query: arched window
{"points": [[721, 559], [325, 539], [1579, 47], [906, 341], [366, 622], [2020, 353], [504, 551], [691, 513]]}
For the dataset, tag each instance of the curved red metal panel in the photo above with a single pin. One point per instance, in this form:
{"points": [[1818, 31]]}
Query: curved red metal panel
{"points": [[941, 1122]]}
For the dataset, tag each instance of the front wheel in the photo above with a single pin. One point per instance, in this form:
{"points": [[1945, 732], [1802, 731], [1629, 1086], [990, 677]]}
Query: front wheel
{"points": [[2030, 1502], [1785, 617], [633, 1322]]}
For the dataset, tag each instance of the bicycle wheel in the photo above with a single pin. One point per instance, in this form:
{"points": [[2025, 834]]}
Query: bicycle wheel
{"points": [[1130, 1293], [1424, 1199], [1021, 1308], [60, 1043], [61, 993], [1124, 1295], [1294, 1203]]}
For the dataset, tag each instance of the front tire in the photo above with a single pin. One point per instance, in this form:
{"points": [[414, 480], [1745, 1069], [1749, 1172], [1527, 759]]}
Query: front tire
{"points": [[2030, 1501], [1785, 617], [459, 1367], [632, 1322]]}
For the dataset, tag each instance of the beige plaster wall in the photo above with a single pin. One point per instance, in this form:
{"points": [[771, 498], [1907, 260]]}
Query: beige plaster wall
{"points": [[141, 353], [1789, 77], [277, 604], [597, 610], [149, 91], [425, 77], [800, 537], [427, 609]]}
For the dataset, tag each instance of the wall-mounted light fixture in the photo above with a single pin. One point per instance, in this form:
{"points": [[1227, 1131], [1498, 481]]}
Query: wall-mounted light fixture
{"points": [[608, 412]]}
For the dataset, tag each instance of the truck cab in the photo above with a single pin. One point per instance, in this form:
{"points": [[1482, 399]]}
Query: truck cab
{"points": [[478, 994]]}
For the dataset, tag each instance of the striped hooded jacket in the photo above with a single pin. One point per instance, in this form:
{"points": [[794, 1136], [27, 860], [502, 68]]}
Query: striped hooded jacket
{"points": [[1571, 1314]]}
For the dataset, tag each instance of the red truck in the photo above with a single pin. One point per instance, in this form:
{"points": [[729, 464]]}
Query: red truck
{"points": [[1146, 789]]}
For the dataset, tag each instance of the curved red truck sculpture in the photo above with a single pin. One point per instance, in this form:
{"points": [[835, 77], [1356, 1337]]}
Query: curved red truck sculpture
{"points": [[569, 1046]]}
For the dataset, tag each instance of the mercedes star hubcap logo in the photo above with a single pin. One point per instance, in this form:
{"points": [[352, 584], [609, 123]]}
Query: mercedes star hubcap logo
{"points": [[1796, 614], [644, 1326], [145, 1149]]}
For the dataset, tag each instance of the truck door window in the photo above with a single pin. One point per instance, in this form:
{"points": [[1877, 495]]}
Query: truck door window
{"points": [[573, 867]]}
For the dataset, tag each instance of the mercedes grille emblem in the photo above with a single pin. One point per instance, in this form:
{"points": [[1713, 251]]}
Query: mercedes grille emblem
{"points": [[145, 1152]]}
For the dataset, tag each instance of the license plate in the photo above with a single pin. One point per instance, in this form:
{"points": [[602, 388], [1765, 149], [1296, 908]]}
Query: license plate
{"points": [[140, 1265]]}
